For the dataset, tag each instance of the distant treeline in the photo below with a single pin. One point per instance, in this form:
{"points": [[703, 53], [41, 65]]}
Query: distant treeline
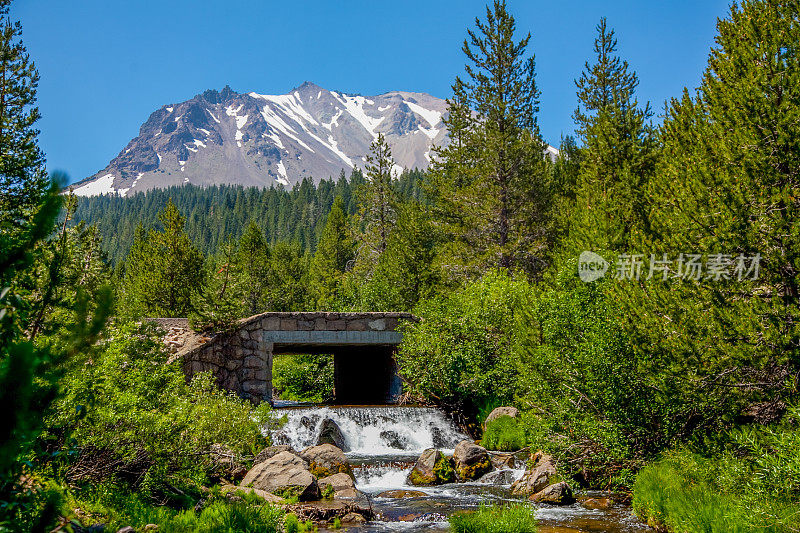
{"points": [[221, 212]]}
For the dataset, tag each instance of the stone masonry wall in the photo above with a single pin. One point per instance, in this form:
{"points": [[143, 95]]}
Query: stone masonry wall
{"points": [[241, 361]]}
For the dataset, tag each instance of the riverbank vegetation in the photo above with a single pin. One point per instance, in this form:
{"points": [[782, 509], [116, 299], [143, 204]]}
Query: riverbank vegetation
{"points": [[511, 519], [664, 363]]}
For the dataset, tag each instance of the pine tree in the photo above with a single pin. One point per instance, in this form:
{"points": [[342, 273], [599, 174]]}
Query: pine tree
{"points": [[220, 300], [335, 252], [164, 269], [618, 152], [253, 260], [23, 179], [491, 183], [377, 199], [728, 189]]}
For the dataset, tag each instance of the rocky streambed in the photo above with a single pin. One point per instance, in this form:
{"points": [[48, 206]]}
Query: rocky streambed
{"points": [[382, 469]]}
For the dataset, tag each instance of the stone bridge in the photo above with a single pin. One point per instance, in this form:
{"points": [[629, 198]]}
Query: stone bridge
{"points": [[362, 345]]}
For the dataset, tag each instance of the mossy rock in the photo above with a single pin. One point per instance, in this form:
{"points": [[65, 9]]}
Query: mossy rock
{"points": [[475, 470]]}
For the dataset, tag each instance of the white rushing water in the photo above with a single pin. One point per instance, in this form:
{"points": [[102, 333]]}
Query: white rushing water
{"points": [[372, 431]]}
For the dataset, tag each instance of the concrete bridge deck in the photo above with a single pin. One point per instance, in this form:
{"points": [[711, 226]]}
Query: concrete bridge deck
{"points": [[362, 344]]}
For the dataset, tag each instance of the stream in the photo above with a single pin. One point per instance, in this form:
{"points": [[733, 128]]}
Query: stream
{"points": [[384, 442]]}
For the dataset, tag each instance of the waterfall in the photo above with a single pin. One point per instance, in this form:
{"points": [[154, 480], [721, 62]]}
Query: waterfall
{"points": [[372, 431]]}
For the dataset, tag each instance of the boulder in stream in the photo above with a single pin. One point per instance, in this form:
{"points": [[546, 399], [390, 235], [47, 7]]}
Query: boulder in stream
{"points": [[394, 439], [330, 433], [343, 486], [326, 460], [285, 475], [432, 468], [471, 461], [535, 478], [555, 494], [498, 477]]}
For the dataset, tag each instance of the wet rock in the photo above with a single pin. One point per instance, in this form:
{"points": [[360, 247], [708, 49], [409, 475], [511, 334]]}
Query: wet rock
{"points": [[342, 484], [439, 441], [537, 477], [471, 461], [327, 510], [331, 434], [498, 477], [555, 494], [500, 461], [272, 451], [307, 423], [432, 468], [497, 412], [401, 493], [394, 440], [600, 504], [326, 460], [285, 475], [353, 518]]}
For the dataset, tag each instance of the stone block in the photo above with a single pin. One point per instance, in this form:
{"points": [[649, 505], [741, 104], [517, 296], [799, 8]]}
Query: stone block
{"points": [[337, 325], [305, 325], [253, 374], [288, 324], [253, 361], [230, 382], [271, 323], [356, 325], [320, 324], [377, 325], [232, 363]]}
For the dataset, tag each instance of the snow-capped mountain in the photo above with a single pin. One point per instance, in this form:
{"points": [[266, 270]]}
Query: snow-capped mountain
{"points": [[264, 140]]}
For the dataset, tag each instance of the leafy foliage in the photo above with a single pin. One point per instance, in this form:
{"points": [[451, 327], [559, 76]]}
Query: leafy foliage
{"points": [[303, 377], [463, 353], [126, 414]]}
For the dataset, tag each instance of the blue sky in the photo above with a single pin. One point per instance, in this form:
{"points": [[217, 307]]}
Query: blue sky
{"points": [[106, 65]]}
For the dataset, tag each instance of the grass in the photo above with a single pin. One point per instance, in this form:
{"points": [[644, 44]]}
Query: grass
{"points": [[512, 519], [682, 494], [118, 508], [503, 434]]}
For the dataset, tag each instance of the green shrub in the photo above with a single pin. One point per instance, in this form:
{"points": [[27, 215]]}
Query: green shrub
{"points": [[513, 519], [463, 354], [303, 377], [291, 524], [131, 416], [503, 434], [581, 379]]}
